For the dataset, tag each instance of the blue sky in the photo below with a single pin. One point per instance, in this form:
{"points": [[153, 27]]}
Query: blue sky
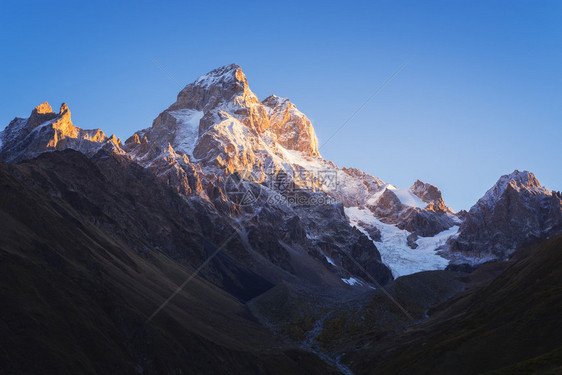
{"points": [[480, 96]]}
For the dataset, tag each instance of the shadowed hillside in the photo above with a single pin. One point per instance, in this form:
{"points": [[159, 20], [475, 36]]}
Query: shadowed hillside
{"points": [[510, 325], [76, 296]]}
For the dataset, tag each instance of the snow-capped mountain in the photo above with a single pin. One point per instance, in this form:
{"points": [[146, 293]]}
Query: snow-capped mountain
{"points": [[220, 144], [517, 209], [218, 126], [218, 122]]}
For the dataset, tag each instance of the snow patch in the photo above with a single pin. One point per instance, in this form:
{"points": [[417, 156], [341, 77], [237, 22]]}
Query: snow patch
{"points": [[394, 249], [221, 75], [330, 260], [408, 198], [405, 196], [187, 132], [352, 281]]}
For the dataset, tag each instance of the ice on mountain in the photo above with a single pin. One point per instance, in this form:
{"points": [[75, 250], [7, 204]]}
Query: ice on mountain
{"points": [[329, 260], [352, 281], [408, 198], [187, 132], [394, 249]]}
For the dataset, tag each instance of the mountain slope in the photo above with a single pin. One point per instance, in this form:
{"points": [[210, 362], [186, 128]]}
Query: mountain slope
{"points": [[511, 322], [517, 209], [79, 281]]}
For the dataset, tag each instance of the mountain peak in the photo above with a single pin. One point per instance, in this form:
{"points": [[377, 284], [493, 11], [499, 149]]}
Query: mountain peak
{"points": [[224, 74], [517, 209], [431, 195], [226, 85], [43, 108], [521, 179], [518, 180], [40, 114], [218, 120], [63, 109], [427, 192], [45, 130]]}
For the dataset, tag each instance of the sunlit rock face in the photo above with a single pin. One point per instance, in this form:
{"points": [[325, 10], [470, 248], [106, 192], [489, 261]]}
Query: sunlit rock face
{"points": [[516, 210], [40, 114], [45, 130], [293, 129], [218, 122], [420, 209], [431, 195]]}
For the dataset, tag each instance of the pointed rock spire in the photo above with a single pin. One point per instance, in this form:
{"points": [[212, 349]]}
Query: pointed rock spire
{"points": [[517, 180], [430, 194], [225, 85], [517, 209], [293, 129], [43, 108], [40, 114]]}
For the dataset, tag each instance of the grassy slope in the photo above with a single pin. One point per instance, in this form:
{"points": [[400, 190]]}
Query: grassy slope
{"points": [[512, 321], [75, 298]]}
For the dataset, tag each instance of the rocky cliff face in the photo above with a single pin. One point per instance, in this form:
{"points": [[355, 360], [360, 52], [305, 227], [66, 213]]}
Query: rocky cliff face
{"points": [[517, 209], [420, 210], [45, 130], [292, 128], [219, 121], [431, 195]]}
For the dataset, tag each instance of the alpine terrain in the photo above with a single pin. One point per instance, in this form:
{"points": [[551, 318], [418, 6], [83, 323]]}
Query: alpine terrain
{"points": [[219, 240]]}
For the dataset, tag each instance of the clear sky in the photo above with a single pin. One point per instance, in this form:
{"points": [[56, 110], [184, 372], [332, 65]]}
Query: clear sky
{"points": [[480, 96]]}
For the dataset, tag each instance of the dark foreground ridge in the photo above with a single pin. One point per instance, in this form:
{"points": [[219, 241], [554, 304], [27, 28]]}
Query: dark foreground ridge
{"points": [[80, 275], [510, 325]]}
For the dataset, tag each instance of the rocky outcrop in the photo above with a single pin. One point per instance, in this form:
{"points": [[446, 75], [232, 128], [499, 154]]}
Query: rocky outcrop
{"points": [[412, 238], [387, 207], [426, 221], [44, 130], [431, 195], [517, 209], [293, 129]]}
